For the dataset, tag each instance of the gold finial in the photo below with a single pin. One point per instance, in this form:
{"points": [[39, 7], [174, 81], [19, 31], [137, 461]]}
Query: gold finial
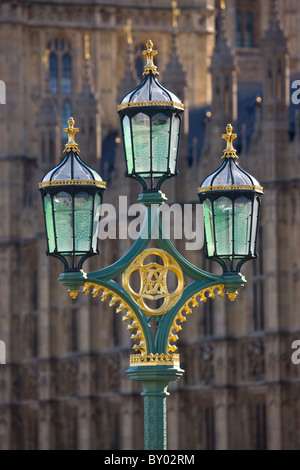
{"points": [[230, 151], [128, 30], [175, 14], [150, 53], [223, 5], [45, 60], [71, 131], [87, 51]]}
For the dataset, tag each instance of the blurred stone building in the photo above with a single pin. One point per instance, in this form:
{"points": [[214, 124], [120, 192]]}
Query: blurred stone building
{"points": [[64, 385]]}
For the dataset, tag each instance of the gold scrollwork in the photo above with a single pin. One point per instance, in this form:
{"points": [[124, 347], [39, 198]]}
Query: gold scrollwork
{"points": [[153, 281], [130, 316], [186, 309]]}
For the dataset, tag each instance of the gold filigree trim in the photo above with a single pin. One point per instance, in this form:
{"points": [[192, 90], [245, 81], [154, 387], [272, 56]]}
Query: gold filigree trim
{"points": [[130, 316], [244, 187], [186, 309], [99, 184], [134, 104], [73, 293], [155, 360], [153, 281]]}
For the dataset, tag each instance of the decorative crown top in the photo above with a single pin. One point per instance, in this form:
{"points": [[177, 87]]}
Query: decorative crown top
{"points": [[230, 151], [150, 53], [71, 131]]}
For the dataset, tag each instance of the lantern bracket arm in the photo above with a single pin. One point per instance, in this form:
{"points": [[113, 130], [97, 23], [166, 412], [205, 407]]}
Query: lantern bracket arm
{"points": [[231, 283]]}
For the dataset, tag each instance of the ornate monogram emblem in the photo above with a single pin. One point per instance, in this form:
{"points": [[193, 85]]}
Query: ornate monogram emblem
{"points": [[154, 282]]}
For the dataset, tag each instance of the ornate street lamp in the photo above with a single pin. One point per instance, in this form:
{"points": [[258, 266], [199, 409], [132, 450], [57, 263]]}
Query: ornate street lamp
{"points": [[231, 203], [72, 196], [151, 121]]}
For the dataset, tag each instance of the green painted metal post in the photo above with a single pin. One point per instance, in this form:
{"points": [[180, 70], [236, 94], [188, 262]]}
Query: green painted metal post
{"points": [[155, 381]]}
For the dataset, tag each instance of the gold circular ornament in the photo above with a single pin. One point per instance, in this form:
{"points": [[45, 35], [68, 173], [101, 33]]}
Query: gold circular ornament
{"points": [[153, 281]]}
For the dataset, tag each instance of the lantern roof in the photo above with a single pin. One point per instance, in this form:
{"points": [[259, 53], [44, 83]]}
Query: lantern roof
{"points": [[230, 176], [150, 92], [72, 170]]}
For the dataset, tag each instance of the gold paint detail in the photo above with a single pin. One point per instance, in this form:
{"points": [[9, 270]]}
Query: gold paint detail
{"points": [[100, 184], [150, 54], [71, 131], [153, 281], [232, 296], [230, 151], [73, 293], [87, 50], [134, 104], [130, 317], [186, 309], [172, 360], [175, 15], [128, 30], [243, 187]]}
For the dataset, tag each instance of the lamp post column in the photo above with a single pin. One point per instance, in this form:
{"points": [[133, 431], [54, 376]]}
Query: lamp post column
{"points": [[155, 381]]}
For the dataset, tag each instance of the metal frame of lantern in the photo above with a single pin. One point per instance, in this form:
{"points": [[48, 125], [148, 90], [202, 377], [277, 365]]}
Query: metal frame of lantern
{"points": [[154, 362]]}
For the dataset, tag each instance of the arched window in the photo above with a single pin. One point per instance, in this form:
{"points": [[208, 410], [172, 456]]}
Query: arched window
{"points": [[249, 39], [66, 84], [239, 29], [60, 66]]}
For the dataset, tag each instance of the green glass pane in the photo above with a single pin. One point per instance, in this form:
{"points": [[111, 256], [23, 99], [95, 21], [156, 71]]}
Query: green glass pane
{"points": [[242, 225], [49, 223], [160, 143], [97, 207], [141, 143], [83, 220], [128, 144], [208, 225], [63, 214], [255, 216], [174, 142], [223, 226]]}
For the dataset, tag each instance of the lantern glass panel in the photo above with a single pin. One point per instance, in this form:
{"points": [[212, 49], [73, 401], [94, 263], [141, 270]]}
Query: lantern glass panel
{"points": [[223, 226], [128, 144], [256, 206], [209, 227], [63, 213], [141, 143], [64, 171], [83, 220], [174, 142], [96, 224], [242, 225], [160, 142], [49, 223]]}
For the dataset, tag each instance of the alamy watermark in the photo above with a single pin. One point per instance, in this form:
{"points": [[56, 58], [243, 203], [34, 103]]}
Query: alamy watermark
{"points": [[296, 93], [2, 92], [179, 221], [2, 352]]}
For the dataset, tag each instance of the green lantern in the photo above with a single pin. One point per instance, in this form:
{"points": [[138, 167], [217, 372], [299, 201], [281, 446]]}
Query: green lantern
{"points": [[231, 203], [72, 197], [151, 121]]}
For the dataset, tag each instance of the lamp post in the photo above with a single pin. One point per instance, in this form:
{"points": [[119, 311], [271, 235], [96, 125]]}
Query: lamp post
{"points": [[72, 194]]}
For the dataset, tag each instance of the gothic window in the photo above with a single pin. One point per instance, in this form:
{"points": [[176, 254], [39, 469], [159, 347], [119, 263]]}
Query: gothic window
{"points": [[258, 288], [247, 23], [61, 78]]}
